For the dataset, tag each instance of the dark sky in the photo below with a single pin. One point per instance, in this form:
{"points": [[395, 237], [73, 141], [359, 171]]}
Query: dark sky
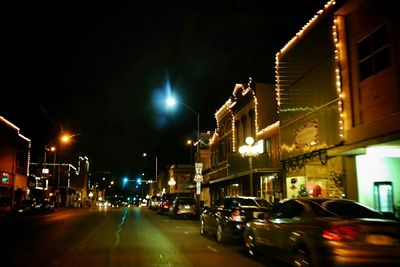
{"points": [[100, 69]]}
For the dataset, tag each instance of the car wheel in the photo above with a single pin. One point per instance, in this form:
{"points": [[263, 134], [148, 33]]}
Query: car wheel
{"points": [[250, 243], [221, 238], [202, 227], [302, 258]]}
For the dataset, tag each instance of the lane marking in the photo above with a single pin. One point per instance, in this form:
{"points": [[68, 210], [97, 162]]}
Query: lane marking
{"points": [[212, 249]]}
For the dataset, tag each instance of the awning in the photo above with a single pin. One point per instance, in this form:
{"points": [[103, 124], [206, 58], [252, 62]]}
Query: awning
{"points": [[237, 175]]}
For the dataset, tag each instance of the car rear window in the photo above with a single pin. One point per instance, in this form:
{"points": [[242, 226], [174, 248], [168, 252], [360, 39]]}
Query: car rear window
{"points": [[186, 200], [350, 209], [263, 203], [239, 202], [320, 211]]}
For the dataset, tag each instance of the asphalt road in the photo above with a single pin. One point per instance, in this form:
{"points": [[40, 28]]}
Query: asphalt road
{"points": [[114, 237]]}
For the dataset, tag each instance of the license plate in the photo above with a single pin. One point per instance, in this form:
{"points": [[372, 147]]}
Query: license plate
{"points": [[380, 240], [187, 207]]}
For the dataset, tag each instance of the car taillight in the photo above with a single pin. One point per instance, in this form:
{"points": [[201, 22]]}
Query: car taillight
{"points": [[165, 204], [340, 232], [235, 216]]}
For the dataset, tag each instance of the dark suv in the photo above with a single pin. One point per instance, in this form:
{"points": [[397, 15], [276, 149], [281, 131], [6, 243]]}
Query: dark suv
{"points": [[227, 218], [184, 207], [167, 199]]}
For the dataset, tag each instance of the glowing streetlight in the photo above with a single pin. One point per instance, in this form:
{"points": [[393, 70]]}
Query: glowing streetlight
{"points": [[172, 184]]}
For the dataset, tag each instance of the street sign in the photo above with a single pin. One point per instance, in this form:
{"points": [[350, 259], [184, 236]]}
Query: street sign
{"points": [[199, 168], [198, 178], [198, 188]]}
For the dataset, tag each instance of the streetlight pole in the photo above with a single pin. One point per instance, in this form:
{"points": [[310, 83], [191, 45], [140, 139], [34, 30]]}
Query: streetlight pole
{"points": [[251, 175], [190, 144], [156, 173], [45, 171], [249, 151], [198, 177], [171, 102], [65, 138]]}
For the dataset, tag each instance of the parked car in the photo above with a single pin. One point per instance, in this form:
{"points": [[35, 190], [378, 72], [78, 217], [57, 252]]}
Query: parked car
{"points": [[227, 218], [26, 206], [184, 207], [166, 201], [325, 232], [46, 205]]}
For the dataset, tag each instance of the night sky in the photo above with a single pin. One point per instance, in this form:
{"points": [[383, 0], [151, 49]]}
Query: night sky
{"points": [[101, 70]]}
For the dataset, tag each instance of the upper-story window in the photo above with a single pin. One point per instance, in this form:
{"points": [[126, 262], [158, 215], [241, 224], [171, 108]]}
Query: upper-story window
{"points": [[244, 126], [252, 122], [229, 145], [268, 145], [222, 130], [373, 53], [222, 151]]}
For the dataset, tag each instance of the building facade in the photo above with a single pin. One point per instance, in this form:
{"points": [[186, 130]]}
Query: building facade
{"points": [[249, 112], [339, 105], [14, 165]]}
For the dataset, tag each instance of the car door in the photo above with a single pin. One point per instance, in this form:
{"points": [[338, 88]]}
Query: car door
{"points": [[288, 225], [278, 229]]}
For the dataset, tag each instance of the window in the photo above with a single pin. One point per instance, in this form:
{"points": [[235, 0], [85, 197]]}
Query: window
{"points": [[244, 126], [229, 146], [223, 151], [373, 53], [268, 145], [252, 122]]}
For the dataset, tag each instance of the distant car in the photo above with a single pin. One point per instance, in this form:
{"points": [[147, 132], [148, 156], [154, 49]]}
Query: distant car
{"points": [[324, 232], [47, 205], [184, 207], [143, 203], [227, 218], [154, 202], [103, 204]]}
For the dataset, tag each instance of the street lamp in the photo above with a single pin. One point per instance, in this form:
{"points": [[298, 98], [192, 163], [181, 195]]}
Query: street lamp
{"points": [[156, 165], [153, 188], [45, 171], [250, 150], [171, 184]]}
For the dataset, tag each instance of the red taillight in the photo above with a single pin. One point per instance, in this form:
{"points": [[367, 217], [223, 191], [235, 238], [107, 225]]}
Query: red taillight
{"points": [[340, 232], [165, 204], [235, 216]]}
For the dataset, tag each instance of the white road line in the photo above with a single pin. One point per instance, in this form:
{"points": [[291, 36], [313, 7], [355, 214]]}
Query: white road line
{"points": [[213, 249]]}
